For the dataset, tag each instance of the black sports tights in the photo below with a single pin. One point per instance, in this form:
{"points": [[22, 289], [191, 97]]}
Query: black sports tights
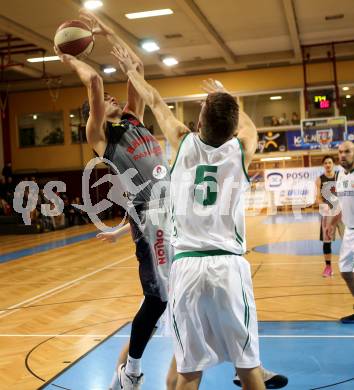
{"points": [[144, 323]]}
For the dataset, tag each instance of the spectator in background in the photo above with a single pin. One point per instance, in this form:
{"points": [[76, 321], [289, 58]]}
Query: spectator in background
{"points": [[7, 171], [191, 126], [283, 120], [81, 216], [295, 120], [2, 187], [275, 121], [69, 212]]}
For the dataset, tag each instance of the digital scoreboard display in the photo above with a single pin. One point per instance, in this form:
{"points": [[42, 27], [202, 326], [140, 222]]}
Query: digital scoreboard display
{"points": [[322, 102]]}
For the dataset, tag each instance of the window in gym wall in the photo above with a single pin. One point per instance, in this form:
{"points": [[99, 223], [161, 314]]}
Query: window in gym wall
{"points": [[276, 109], [78, 127], [41, 129], [191, 112], [321, 103], [347, 103], [151, 123]]}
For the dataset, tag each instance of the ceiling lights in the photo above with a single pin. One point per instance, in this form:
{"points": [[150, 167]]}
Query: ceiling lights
{"points": [[170, 61], [348, 96], [109, 69], [345, 88], [93, 4], [43, 59], [150, 46], [149, 14], [276, 98], [276, 158]]}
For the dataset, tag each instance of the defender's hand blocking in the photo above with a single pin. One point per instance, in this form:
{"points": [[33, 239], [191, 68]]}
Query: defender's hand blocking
{"points": [[212, 86], [97, 26], [124, 59]]}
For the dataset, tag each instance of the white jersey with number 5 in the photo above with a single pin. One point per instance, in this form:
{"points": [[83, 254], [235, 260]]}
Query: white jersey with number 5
{"points": [[207, 194]]}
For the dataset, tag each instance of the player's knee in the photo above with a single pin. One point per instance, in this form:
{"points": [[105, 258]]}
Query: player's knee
{"points": [[327, 248]]}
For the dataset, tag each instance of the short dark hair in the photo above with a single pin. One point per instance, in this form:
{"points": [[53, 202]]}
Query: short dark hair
{"points": [[85, 110], [220, 118], [328, 156]]}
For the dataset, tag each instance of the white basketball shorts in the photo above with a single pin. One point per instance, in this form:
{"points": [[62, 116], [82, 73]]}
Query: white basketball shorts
{"points": [[212, 312], [346, 256]]}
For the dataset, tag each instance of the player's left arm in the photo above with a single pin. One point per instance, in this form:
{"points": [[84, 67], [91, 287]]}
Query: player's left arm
{"points": [[171, 127], [135, 104]]}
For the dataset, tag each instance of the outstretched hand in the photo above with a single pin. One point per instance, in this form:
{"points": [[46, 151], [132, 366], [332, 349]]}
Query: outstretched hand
{"points": [[64, 58], [94, 22], [107, 236], [124, 59], [212, 86]]}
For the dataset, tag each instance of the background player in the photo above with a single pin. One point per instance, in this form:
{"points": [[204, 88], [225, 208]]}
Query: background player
{"points": [[345, 194], [329, 176]]}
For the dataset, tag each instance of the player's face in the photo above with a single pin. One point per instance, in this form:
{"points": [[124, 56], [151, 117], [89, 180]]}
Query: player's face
{"points": [[328, 165], [112, 108], [346, 155]]}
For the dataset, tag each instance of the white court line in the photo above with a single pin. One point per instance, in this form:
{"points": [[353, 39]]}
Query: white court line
{"points": [[160, 336], [53, 291]]}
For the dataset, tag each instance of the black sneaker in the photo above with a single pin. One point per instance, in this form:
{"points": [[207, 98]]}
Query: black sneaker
{"points": [[272, 380], [347, 320]]}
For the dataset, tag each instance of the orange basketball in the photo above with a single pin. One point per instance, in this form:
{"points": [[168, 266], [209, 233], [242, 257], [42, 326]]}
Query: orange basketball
{"points": [[74, 37]]}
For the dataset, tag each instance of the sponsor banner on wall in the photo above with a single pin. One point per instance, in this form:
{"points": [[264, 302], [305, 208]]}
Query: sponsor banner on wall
{"points": [[271, 141], [295, 186], [295, 142]]}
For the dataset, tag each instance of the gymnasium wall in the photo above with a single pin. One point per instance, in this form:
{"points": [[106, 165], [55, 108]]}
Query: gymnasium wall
{"points": [[73, 156], [1, 149]]}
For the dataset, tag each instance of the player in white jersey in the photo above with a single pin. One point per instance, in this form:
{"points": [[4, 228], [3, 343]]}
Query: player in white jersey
{"points": [[211, 299], [345, 194]]}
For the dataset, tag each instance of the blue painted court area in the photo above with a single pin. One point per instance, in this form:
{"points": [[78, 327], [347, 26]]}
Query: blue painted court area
{"points": [[313, 355], [291, 218], [299, 247], [45, 247]]}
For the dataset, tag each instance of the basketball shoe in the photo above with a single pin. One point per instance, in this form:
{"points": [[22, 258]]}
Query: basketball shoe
{"points": [[348, 319], [271, 379], [123, 381], [327, 272]]}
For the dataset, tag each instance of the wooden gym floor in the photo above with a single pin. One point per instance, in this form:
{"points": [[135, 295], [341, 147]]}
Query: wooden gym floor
{"points": [[58, 288]]}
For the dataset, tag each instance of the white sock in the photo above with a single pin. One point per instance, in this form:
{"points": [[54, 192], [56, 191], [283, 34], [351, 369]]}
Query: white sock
{"points": [[133, 366]]}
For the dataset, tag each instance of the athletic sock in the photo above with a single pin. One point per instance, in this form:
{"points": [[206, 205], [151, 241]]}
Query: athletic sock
{"points": [[133, 366]]}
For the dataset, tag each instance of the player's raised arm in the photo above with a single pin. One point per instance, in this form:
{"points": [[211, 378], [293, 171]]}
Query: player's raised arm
{"points": [[135, 104], [93, 82], [247, 134], [171, 127]]}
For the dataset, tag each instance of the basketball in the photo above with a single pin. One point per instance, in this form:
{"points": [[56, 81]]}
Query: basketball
{"points": [[74, 37]]}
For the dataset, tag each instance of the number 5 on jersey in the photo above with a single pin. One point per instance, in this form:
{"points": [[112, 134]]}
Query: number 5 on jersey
{"points": [[206, 174]]}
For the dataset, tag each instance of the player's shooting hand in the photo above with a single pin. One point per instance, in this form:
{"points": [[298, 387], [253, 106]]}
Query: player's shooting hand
{"points": [[107, 236], [124, 59], [94, 22], [212, 86], [64, 58]]}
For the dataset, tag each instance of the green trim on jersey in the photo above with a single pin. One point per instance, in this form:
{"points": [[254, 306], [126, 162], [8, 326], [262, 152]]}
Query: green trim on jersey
{"points": [[214, 252], [243, 161], [239, 239], [175, 327], [179, 149]]}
